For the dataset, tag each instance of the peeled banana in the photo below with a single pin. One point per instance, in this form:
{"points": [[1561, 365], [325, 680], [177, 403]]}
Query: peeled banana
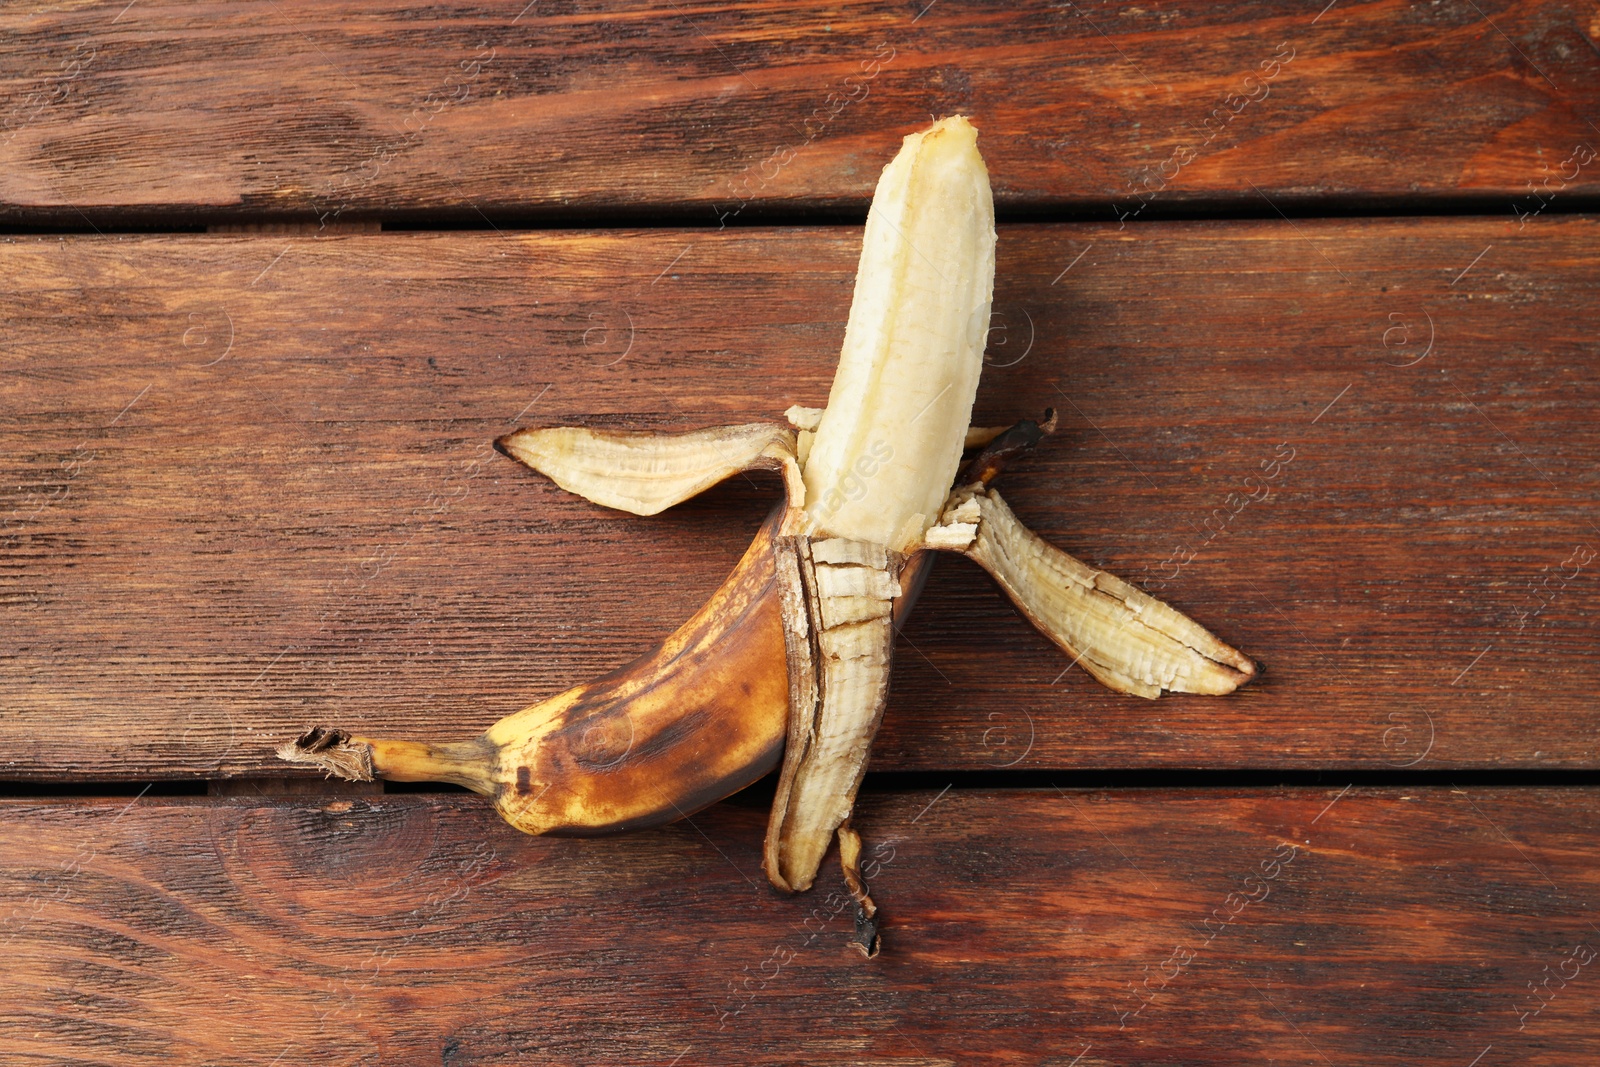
{"points": [[790, 658]]}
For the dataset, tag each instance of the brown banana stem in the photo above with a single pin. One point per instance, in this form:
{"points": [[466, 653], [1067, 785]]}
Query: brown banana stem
{"points": [[1013, 443], [362, 759]]}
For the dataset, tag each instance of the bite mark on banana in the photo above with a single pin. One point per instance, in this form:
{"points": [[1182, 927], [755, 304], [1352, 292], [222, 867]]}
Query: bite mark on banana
{"points": [[791, 656]]}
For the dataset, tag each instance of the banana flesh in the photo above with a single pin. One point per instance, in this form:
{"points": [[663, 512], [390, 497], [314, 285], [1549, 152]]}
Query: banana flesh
{"points": [[790, 658], [888, 444]]}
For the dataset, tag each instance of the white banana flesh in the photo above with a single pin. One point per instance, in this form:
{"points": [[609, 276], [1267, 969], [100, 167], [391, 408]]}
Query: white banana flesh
{"points": [[888, 443]]}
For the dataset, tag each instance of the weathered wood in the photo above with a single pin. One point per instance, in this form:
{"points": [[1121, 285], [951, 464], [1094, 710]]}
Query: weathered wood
{"points": [[274, 787], [313, 109], [248, 485], [1022, 927]]}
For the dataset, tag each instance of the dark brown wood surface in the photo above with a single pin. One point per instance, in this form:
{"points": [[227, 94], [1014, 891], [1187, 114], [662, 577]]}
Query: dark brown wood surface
{"points": [[310, 109], [248, 485], [1315, 926]]}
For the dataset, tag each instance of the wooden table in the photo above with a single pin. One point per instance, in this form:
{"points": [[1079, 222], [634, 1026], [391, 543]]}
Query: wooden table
{"points": [[277, 273]]}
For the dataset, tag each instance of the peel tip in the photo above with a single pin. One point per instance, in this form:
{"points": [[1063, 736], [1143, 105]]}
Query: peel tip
{"points": [[1238, 663], [518, 445], [1238, 670]]}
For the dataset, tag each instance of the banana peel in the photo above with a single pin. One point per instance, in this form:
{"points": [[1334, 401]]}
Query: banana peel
{"points": [[790, 658]]}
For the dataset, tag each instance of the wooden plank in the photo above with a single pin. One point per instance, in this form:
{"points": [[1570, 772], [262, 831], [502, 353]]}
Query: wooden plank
{"points": [[249, 485], [1279, 926], [311, 109]]}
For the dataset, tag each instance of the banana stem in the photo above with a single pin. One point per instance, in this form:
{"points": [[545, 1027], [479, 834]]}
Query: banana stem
{"points": [[1011, 443], [464, 763], [361, 759]]}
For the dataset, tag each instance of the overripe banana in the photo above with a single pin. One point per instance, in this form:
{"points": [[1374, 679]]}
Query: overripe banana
{"points": [[698, 717], [792, 653]]}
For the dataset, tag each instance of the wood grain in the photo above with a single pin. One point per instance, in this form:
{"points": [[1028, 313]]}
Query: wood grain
{"points": [[311, 109], [1023, 927], [248, 485]]}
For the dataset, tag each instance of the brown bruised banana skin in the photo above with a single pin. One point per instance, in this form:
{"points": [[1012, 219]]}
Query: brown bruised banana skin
{"points": [[699, 717], [628, 748], [695, 719]]}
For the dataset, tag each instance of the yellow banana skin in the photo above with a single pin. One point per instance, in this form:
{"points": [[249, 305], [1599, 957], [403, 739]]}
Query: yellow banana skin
{"points": [[698, 717]]}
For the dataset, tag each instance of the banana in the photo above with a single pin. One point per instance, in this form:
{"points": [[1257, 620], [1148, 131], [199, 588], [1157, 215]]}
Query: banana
{"points": [[791, 656]]}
